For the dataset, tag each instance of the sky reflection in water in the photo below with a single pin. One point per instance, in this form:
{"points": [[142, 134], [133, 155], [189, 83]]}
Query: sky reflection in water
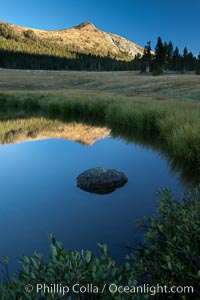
{"points": [[39, 195]]}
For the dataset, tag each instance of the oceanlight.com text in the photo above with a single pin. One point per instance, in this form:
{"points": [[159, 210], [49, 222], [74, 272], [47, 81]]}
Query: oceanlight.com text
{"points": [[61, 290]]}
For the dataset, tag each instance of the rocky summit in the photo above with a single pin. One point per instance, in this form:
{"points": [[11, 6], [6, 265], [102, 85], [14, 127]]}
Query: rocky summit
{"points": [[86, 38], [100, 180]]}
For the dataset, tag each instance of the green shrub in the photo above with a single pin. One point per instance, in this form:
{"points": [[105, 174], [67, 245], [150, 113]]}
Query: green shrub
{"points": [[172, 252], [170, 256], [66, 268]]}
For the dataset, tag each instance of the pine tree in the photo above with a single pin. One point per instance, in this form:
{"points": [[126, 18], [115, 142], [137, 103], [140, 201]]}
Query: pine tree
{"points": [[176, 60], [198, 65], [160, 54], [184, 59], [147, 57], [169, 54]]}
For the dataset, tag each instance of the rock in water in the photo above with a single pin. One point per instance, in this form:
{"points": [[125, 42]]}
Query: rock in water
{"points": [[100, 180]]}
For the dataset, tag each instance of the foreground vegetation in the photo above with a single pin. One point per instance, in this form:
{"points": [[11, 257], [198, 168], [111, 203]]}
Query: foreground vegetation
{"points": [[170, 256]]}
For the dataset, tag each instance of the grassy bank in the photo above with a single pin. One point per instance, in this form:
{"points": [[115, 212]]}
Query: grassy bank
{"points": [[173, 124]]}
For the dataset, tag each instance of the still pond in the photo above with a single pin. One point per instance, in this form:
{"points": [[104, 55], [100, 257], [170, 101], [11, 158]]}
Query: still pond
{"points": [[39, 195]]}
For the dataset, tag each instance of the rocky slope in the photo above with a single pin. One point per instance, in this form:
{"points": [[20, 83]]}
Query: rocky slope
{"points": [[86, 38]]}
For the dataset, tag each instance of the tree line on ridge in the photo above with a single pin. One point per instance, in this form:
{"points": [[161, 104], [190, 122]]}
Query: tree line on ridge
{"points": [[31, 52]]}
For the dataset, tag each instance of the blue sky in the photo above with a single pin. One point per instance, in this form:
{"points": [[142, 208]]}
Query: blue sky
{"points": [[139, 21]]}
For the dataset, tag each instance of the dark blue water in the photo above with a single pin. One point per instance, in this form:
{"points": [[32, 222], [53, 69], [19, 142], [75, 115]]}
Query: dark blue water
{"points": [[38, 195]]}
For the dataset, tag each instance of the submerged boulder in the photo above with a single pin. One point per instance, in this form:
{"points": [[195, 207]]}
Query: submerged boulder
{"points": [[100, 180]]}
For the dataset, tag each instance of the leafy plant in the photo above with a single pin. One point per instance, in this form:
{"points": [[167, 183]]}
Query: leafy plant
{"points": [[170, 256], [66, 269]]}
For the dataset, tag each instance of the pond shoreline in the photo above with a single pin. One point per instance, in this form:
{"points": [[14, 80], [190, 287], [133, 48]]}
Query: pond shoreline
{"points": [[173, 127]]}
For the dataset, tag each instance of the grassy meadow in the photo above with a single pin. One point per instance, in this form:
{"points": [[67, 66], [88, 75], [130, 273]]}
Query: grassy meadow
{"points": [[128, 84]]}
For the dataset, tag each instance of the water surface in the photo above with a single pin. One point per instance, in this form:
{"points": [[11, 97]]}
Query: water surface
{"points": [[39, 195]]}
